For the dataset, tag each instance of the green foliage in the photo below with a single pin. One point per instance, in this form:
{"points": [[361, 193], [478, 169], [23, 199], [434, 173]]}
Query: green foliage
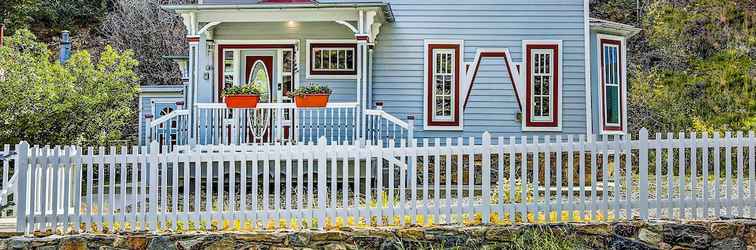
{"points": [[247, 89], [16, 14], [80, 101], [51, 15], [693, 65], [312, 89]]}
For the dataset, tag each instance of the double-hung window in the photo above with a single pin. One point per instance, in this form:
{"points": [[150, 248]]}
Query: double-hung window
{"points": [[442, 85], [332, 59], [543, 81], [612, 96]]}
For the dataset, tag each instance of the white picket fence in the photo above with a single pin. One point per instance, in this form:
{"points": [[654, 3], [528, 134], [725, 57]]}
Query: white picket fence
{"points": [[462, 180]]}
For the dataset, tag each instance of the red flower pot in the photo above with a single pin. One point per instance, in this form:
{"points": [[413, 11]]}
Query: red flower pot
{"points": [[312, 100], [242, 101]]}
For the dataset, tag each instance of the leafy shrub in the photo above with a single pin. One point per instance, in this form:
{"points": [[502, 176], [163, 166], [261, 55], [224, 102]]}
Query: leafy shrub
{"points": [[82, 101], [247, 89], [312, 89]]}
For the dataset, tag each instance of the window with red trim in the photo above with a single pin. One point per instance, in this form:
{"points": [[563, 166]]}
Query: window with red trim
{"points": [[611, 85], [333, 59], [442, 84], [542, 85]]}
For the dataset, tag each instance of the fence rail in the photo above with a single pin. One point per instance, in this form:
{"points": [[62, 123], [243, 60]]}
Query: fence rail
{"points": [[497, 180]]}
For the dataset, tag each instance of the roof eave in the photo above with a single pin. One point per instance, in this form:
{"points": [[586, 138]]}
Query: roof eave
{"points": [[386, 7], [614, 27]]}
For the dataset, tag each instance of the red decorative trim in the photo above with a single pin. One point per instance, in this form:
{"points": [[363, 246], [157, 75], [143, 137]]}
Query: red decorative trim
{"points": [[221, 66], [477, 67], [314, 72], [193, 39], [430, 65], [362, 38], [555, 90], [603, 86]]}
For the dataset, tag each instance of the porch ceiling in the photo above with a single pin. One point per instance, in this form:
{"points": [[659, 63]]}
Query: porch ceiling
{"points": [[304, 12]]}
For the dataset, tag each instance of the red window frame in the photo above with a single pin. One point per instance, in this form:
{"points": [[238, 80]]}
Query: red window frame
{"points": [[314, 72], [429, 84], [607, 127], [554, 91]]}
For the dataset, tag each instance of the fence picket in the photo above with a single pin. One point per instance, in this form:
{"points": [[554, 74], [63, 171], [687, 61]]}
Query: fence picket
{"points": [[693, 174], [559, 180], [717, 183], [705, 172], [752, 171], [499, 182], [523, 148], [581, 176], [486, 179], [593, 148], [681, 187], [570, 177], [739, 180], [536, 182], [728, 173], [512, 176]]}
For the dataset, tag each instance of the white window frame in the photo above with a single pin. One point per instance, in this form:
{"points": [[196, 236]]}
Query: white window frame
{"points": [[319, 77], [462, 76], [622, 87], [525, 68], [550, 75]]}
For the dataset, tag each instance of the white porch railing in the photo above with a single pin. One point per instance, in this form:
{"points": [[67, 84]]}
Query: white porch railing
{"points": [[275, 123], [519, 180], [171, 129], [383, 127]]}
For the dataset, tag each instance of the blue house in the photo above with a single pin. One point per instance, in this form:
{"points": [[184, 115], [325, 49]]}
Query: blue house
{"points": [[399, 69]]}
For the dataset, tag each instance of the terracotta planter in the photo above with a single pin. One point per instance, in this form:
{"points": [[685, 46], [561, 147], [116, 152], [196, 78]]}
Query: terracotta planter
{"points": [[242, 101], [312, 101]]}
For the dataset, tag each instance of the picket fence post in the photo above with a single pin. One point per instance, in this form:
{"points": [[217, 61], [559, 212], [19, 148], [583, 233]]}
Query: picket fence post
{"points": [[322, 192], [643, 171], [153, 177], [486, 154], [22, 163]]}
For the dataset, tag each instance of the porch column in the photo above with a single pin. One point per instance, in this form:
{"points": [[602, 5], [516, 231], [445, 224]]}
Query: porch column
{"points": [[191, 96], [362, 76]]}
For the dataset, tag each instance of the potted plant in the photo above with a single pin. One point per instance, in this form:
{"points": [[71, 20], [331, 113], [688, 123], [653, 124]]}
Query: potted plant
{"points": [[244, 96], [311, 96]]}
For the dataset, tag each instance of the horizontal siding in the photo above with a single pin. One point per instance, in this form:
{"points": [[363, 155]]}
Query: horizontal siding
{"points": [[399, 62], [483, 24]]}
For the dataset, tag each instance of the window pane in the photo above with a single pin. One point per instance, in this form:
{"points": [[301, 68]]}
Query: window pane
{"points": [[612, 104], [350, 59]]}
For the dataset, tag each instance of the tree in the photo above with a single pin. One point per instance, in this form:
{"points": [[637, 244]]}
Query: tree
{"points": [[152, 33], [81, 101]]}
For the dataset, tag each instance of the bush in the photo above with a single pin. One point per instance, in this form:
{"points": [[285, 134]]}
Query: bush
{"points": [[247, 89], [312, 89], [81, 101]]}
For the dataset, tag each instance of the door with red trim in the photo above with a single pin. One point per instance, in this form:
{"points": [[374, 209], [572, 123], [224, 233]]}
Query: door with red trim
{"points": [[259, 71]]}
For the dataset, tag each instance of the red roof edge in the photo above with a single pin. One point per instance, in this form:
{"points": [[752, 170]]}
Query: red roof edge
{"points": [[288, 1]]}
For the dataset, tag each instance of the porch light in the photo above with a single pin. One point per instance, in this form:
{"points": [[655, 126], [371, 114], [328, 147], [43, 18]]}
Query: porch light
{"points": [[291, 24], [183, 63]]}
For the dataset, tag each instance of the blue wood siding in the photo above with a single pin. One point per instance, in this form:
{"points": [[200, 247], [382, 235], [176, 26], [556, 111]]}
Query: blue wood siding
{"points": [[398, 62]]}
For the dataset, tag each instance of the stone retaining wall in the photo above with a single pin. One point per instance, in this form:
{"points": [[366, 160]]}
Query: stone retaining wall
{"points": [[722, 234]]}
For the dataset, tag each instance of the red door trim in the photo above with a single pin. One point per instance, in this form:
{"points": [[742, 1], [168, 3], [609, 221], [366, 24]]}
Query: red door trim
{"points": [[221, 66]]}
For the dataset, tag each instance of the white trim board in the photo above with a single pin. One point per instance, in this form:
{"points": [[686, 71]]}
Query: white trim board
{"points": [[623, 87], [462, 77], [308, 76], [560, 80]]}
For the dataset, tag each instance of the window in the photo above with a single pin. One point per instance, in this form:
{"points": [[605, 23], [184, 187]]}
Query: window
{"points": [[542, 78], [612, 84], [442, 85], [329, 59]]}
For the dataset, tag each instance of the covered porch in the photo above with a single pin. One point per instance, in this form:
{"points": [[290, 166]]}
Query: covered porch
{"points": [[280, 46]]}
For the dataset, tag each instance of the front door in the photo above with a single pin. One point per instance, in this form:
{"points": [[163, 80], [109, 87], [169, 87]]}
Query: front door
{"points": [[259, 70]]}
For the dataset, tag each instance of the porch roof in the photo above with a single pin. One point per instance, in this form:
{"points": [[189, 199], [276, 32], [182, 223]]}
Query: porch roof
{"points": [[277, 12]]}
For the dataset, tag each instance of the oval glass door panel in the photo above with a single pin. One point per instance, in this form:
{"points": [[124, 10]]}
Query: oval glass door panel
{"points": [[260, 77]]}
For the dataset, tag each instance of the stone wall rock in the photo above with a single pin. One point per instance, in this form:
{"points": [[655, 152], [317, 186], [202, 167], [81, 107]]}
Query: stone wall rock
{"points": [[714, 234]]}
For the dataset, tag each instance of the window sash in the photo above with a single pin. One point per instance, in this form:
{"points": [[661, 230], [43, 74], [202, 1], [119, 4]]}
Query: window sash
{"points": [[612, 85], [443, 84], [542, 85], [333, 59]]}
